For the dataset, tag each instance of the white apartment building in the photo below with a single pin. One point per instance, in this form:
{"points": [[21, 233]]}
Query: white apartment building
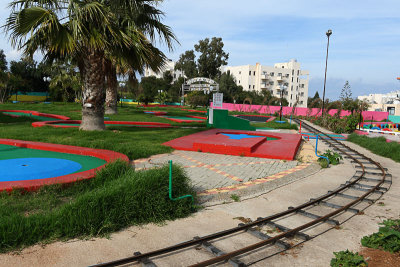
{"points": [[389, 102], [169, 66], [285, 76]]}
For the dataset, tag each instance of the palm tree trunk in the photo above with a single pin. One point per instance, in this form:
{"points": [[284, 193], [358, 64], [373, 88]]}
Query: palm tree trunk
{"points": [[93, 95], [112, 87]]}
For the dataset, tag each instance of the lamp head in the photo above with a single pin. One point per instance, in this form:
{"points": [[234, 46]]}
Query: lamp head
{"points": [[329, 32]]}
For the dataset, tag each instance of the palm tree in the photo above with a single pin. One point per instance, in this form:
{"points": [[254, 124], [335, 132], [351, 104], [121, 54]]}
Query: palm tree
{"points": [[148, 19], [83, 30]]}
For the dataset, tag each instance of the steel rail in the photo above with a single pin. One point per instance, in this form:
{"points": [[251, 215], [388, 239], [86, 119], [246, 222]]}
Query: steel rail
{"points": [[262, 221], [291, 232]]}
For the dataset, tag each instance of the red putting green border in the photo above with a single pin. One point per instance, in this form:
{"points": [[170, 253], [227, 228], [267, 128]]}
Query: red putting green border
{"points": [[186, 121], [36, 113], [269, 118], [133, 123], [31, 185]]}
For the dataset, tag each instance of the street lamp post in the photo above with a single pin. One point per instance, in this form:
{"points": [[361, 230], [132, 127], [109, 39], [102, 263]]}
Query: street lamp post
{"points": [[282, 90], [328, 33]]}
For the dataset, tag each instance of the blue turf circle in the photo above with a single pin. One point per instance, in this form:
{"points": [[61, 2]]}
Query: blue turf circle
{"points": [[35, 168]]}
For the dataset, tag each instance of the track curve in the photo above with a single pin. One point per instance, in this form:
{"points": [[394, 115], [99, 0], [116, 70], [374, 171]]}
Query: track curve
{"points": [[354, 183]]}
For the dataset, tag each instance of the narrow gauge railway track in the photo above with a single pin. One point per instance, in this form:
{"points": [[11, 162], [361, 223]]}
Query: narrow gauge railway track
{"points": [[369, 180]]}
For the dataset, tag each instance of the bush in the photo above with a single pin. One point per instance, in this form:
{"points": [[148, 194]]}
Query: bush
{"points": [[197, 98], [334, 158], [348, 259], [387, 238], [346, 124]]}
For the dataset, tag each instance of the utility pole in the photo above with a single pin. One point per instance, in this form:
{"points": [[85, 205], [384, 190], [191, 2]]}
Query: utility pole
{"points": [[328, 33]]}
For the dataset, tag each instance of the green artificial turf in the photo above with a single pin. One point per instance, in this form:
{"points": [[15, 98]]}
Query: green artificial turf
{"points": [[33, 117], [13, 152]]}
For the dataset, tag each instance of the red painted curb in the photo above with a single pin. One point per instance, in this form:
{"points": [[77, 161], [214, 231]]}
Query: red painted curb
{"points": [[284, 148], [141, 123], [54, 116], [31, 185]]}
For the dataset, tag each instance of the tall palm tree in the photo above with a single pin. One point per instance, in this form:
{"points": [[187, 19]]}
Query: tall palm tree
{"points": [[85, 30], [148, 19]]}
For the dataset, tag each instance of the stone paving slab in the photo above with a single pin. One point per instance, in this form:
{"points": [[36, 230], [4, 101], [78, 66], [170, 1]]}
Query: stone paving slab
{"points": [[210, 171]]}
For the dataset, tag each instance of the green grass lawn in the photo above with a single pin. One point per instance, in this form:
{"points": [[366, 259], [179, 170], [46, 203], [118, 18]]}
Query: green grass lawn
{"points": [[116, 198], [377, 146], [275, 125], [134, 142]]}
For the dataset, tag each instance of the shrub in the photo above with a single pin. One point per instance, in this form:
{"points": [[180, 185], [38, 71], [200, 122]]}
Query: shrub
{"points": [[348, 259], [334, 158], [387, 238]]}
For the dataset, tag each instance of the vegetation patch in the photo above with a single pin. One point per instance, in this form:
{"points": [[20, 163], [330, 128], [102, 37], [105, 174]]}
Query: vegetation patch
{"points": [[116, 198], [387, 238], [377, 146], [348, 259], [276, 125], [334, 158]]}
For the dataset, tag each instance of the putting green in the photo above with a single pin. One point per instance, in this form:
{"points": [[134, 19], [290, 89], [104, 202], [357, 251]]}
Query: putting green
{"points": [[12, 152], [183, 118], [35, 117]]}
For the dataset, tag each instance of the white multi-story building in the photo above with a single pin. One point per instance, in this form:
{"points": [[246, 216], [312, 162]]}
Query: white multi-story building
{"points": [[169, 66], [285, 76], [389, 102]]}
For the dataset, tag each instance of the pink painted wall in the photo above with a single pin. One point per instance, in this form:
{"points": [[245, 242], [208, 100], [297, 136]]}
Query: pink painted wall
{"points": [[377, 115]]}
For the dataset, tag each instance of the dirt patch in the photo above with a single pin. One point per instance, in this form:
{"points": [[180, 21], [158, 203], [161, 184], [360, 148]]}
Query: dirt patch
{"points": [[380, 258]]}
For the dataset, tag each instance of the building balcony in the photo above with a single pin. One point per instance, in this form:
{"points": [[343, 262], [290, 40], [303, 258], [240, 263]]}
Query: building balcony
{"points": [[279, 78], [264, 85], [264, 77]]}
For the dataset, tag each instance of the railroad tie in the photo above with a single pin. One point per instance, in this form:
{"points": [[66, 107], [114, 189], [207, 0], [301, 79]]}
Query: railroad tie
{"points": [[282, 228], [335, 206], [373, 180], [254, 232], [370, 201], [315, 216], [365, 186], [217, 252], [371, 168], [145, 262], [370, 173]]}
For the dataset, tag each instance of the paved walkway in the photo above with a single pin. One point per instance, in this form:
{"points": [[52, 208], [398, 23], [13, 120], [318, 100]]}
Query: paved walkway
{"points": [[211, 171]]}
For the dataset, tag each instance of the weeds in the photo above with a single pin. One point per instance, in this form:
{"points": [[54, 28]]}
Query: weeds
{"points": [[235, 197], [348, 259], [387, 238]]}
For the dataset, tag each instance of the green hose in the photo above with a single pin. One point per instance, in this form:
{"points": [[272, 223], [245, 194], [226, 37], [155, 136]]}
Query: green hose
{"points": [[170, 186]]}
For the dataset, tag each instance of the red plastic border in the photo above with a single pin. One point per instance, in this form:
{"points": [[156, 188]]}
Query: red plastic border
{"points": [[144, 123], [186, 121], [270, 118], [31, 185], [36, 113]]}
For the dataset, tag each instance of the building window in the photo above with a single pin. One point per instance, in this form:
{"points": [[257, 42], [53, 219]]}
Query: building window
{"points": [[271, 74], [298, 72], [174, 75], [240, 72], [249, 73], [301, 102], [239, 81], [280, 74], [283, 67], [253, 86], [291, 96], [292, 72], [254, 73], [297, 79], [249, 86], [292, 87], [302, 85]]}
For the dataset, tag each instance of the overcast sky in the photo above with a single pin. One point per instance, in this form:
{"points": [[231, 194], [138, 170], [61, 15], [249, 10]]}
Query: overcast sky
{"points": [[364, 47]]}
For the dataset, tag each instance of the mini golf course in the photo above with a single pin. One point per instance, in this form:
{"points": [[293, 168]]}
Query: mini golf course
{"points": [[34, 115], [77, 123], [30, 165], [240, 143], [187, 118], [156, 113]]}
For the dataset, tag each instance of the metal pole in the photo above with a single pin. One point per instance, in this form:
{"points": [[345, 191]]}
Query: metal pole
{"points": [[328, 33]]}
